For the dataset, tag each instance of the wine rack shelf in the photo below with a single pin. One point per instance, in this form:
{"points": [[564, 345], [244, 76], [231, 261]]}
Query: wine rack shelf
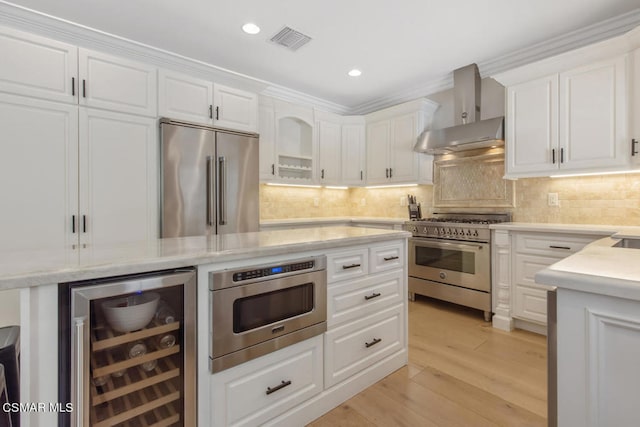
{"points": [[124, 394]]}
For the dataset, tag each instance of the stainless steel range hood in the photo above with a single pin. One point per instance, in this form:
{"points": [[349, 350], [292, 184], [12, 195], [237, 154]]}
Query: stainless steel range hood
{"points": [[469, 132]]}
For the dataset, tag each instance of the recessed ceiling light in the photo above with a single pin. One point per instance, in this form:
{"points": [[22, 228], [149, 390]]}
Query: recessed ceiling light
{"points": [[355, 72], [250, 28]]}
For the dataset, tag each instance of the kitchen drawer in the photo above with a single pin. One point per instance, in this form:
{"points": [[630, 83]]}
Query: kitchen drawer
{"points": [[357, 345], [526, 267], [530, 303], [355, 298], [243, 395], [554, 245], [347, 265], [386, 257]]}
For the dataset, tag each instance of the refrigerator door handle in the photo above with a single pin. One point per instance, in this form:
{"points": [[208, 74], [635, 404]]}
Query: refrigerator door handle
{"points": [[222, 190], [209, 190]]}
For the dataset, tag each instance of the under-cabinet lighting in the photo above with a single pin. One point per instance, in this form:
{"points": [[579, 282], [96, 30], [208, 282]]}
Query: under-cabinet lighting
{"points": [[336, 187], [572, 175], [392, 186], [277, 184]]}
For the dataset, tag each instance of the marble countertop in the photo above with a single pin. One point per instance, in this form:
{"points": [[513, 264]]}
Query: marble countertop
{"points": [[600, 268], [331, 220], [26, 268], [603, 230]]}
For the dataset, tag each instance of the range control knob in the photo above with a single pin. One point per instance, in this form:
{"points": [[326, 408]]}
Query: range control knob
{"points": [[475, 233]]}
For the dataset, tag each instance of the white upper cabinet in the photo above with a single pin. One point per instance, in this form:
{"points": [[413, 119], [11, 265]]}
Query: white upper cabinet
{"points": [[114, 83], [37, 66], [532, 125], [330, 152], [404, 161], [118, 178], [353, 154], [38, 172], [391, 135], [378, 142], [574, 121], [235, 108], [184, 97], [267, 131], [634, 117], [593, 116]]}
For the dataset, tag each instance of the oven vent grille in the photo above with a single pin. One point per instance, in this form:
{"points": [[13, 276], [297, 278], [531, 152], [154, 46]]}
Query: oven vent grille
{"points": [[290, 38]]}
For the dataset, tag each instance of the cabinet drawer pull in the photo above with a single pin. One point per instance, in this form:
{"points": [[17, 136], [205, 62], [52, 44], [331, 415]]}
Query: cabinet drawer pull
{"points": [[217, 113], [84, 223], [273, 168], [634, 144], [73, 224], [282, 385], [553, 156], [84, 88], [346, 267], [361, 176], [391, 258], [562, 155], [372, 296], [387, 172], [372, 343], [211, 111], [322, 174], [390, 172], [559, 247], [73, 86]]}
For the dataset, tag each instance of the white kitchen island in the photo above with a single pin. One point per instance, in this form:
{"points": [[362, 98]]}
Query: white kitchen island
{"points": [[598, 332], [30, 280]]}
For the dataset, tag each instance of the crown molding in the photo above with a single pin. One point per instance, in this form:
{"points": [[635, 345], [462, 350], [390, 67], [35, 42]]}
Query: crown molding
{"points": [[32, 21]]}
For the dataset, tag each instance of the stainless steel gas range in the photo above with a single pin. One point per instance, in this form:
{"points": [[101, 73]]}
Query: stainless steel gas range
{"points": [[450, 258]]}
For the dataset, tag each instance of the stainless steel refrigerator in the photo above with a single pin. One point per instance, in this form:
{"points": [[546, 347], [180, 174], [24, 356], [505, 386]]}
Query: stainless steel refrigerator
{"points": [[209, 181]]}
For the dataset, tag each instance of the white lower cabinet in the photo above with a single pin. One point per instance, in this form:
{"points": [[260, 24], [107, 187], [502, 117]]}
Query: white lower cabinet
{"points": [[359, 344], [351, 299], [366, 340], [517, 257], [261, 389]]}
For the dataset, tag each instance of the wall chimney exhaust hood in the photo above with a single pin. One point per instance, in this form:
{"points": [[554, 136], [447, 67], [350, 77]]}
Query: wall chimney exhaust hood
{"points": [[470, 132]]}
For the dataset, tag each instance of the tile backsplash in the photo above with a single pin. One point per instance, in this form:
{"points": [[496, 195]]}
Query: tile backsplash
{"points": [[605, 199]]}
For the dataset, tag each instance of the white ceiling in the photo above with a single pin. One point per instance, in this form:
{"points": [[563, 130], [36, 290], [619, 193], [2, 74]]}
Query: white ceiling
{"points": [[399, 45]]}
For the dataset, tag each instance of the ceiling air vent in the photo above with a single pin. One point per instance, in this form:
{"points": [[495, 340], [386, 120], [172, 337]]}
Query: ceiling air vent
{"points": [[290, 38]]}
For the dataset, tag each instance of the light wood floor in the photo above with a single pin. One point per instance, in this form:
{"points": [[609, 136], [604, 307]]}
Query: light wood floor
{"points": [[461, 372]]}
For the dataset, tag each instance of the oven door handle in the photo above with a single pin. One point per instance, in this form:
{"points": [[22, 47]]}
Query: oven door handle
{"points": [[439, 244]]}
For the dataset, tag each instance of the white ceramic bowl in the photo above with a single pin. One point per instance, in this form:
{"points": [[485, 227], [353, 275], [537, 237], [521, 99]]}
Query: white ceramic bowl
{"points": [[132, 312]]}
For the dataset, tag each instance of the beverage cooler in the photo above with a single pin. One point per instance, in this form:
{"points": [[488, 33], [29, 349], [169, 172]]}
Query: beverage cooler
{"points": [[127, 350]]}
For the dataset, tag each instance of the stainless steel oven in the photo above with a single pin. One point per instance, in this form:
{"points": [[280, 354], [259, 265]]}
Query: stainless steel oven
{"points": [[465, 264], [450, 258], [262, 308]]}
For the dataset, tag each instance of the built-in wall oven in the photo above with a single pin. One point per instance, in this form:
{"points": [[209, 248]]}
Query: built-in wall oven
{"points": [[259, 309], [450, 258], [127, 353]]}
